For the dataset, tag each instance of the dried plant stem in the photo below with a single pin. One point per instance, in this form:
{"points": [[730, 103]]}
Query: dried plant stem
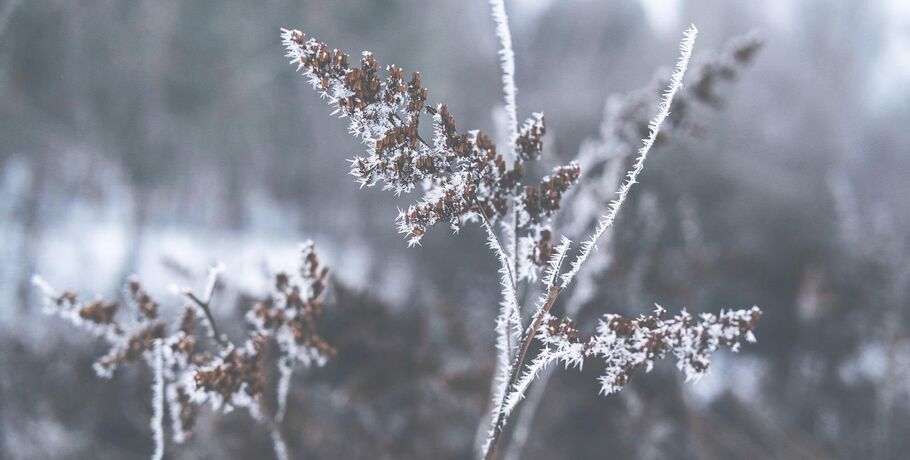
{"points": [[279, 445], [157, 421], [229, 376], [663, 111], [605, 223], [517, 366], [510, 282], [521, 426], [208, 316], [507, 65], [525, 418]]}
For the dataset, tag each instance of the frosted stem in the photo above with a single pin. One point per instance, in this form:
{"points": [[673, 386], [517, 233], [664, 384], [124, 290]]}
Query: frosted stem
{"points": [[158, 402], [663, 110], [507, 64]]}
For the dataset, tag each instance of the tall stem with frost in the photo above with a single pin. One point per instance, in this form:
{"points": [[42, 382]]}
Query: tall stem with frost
{"points": [[158, 402], [507, 63], [663, 110], [508, 321], [519, 380]]}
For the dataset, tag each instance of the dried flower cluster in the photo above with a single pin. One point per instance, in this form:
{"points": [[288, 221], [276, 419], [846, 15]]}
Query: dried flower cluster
{"points": [[626, 345], [290, 315], [233, 379], [722, 67], [190, 370], [463, 175]]}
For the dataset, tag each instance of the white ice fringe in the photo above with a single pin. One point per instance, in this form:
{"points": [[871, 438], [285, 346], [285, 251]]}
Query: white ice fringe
{"points": [[571, 354], [278, 444], [178, 431], [212, 282], [555, 262], [44, 286], [531, 372], [285, 372], [691, 340], [158, 402], [508, 325], [512, 395], [510, 310], [507, 63], [663, 110], [54, 305], [545, 356], [510, 239]]}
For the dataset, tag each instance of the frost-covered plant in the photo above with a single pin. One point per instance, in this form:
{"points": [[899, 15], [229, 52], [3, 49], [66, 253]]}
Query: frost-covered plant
{"points": [[465, 179], [192, 368], [626, 344], [604, 158], [463, 175]]}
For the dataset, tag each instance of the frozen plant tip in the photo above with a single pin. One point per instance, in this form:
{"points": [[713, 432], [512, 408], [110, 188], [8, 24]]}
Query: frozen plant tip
{"points": [[507, 64]]}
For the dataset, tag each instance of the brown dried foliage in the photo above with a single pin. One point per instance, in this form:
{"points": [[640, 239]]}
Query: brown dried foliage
{"points": [[469, 177]]}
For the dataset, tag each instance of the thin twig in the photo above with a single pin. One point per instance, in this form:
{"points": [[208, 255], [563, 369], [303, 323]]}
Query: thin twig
{"points": [[279, 444], [518, 364], [483, 215], [157, 421], [208, 315], [515, 240], [507, 65], [663, 111]]}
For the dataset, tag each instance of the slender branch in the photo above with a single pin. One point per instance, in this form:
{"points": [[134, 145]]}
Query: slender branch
{"points": [[517, 365], [510, 311], [486, 220], [524, 421], [507, 65], [208, 315], [515, 240], [205, 305], [509, 90], [604, 223], [157, 421], [663, 111], [508, 322], [525, 417], [279, 445]]}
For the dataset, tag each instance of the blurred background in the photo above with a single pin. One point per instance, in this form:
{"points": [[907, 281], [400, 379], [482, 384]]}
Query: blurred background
{"points": [[156, 138]]}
